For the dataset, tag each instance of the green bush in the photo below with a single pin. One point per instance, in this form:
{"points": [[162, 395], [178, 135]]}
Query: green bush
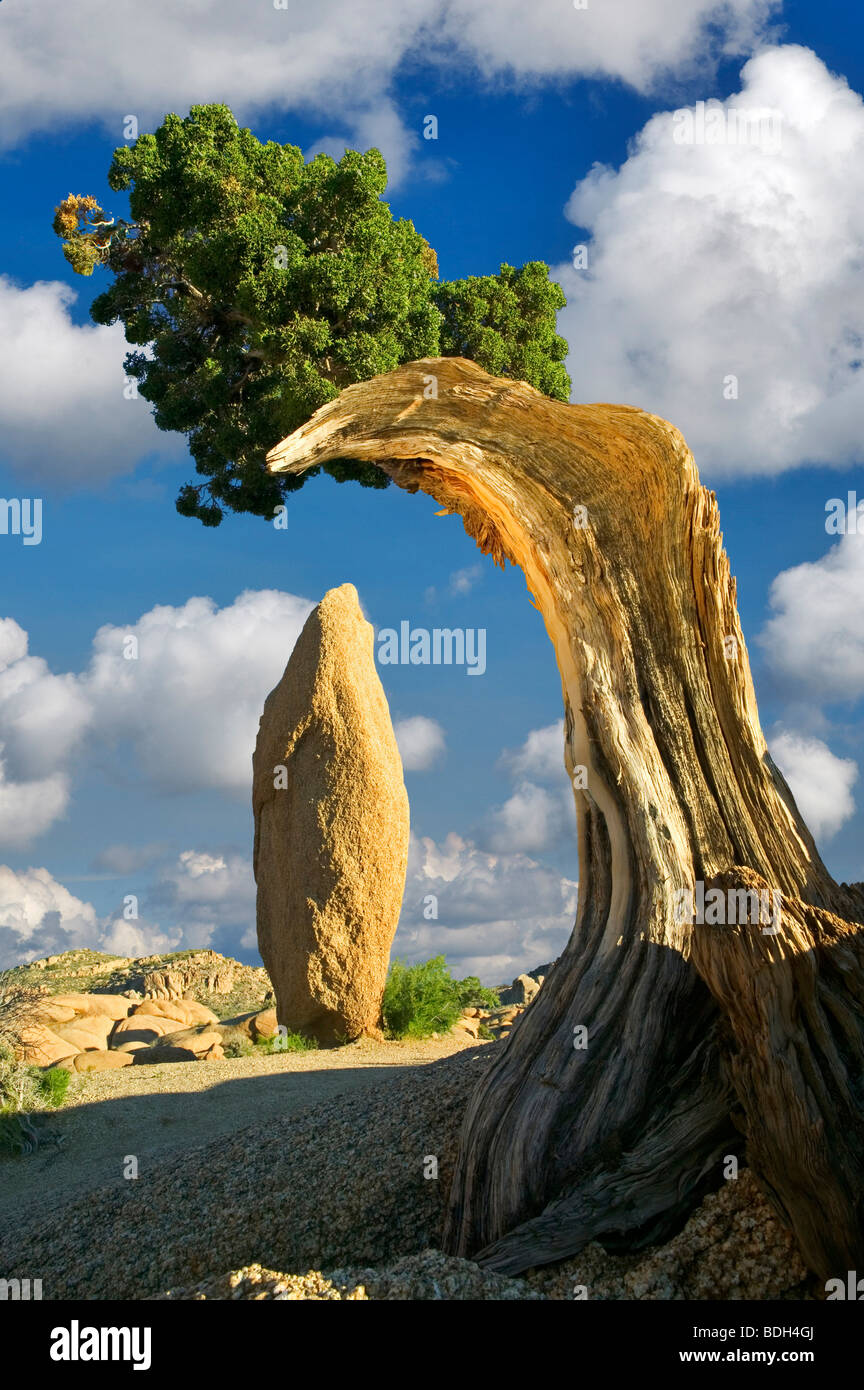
{"points": [[24, 1090], [53, 1085], [424, 998], [287, 1042]]}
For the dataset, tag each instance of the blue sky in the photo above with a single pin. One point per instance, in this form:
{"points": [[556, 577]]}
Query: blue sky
{"points": [[738, 259]]}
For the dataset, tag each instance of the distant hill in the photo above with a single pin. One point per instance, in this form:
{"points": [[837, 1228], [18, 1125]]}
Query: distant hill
{"points": [[223, 984]]}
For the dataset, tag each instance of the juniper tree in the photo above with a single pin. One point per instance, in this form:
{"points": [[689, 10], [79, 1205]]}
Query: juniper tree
{"points": [[254, 285]]}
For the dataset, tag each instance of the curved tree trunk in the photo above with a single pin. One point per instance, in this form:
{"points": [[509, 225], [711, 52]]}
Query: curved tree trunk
{"points": [[602, 508]]}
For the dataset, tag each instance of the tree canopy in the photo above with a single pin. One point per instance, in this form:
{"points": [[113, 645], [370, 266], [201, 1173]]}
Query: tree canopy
{"points": [[254, 286]]}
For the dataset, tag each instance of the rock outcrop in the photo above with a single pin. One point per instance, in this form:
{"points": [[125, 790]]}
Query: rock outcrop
{"points": [[331, 828], [204, 976], [96, 1032], [184, 1011], [196, 972]]}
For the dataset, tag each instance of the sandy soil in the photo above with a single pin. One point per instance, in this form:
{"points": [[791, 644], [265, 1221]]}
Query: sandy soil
{"points": [[157, 1111]]}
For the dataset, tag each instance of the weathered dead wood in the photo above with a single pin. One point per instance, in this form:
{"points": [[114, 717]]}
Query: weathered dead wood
{"points": [[602, 508], [794, 1001]]}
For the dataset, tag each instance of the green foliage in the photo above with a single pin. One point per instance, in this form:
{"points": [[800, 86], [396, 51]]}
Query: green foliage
{"points": [[53, 1085], [24, 1090], [261, 284], [255, 286], [473, 995], [287, 1042], [506, 324], [424, 998]]}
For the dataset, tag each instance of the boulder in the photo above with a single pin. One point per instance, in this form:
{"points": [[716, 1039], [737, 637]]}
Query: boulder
{"points": [[466, 1028], [197, 1040], [201, 1043], [102, 1061], [164, 985], [331, 828], [103, 1005], [40, 1046], [50, 1012], [89, 1032], [264, 1024], [184, 1011], [241, 1026], [159, 1053], [527, 987], [524, 988], [140, 1030]]}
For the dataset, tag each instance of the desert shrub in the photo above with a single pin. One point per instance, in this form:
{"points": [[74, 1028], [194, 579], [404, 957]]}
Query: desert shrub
{"points": [[24, 1090], [17, 1005], [424, 998], [20, 1090], [473, 995], [53, 1085], [287, 1042]]}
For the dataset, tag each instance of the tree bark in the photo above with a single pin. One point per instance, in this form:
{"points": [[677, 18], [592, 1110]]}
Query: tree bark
{"points": [[601, 507], [794, 1002]]}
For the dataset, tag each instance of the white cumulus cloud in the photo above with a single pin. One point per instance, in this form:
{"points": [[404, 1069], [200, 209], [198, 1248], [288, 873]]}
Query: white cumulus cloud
{"points": [[43, 717], [205, 896], [711, 261], [540, 811], [820, 782], [199, 898], [495, 915], [39, 917], [815, 638], [186, 702], [336, 57], [190, 702], [531, 819], [541, 757], [63, 414], [421, 742]]}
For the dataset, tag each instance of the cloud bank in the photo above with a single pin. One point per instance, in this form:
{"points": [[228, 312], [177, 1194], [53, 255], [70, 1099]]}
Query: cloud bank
{"points": [[722, 284]]}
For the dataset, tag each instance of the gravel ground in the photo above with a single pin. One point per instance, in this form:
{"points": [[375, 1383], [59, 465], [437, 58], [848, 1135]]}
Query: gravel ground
{"points": [[336, 1184], [330, 1202], [732, 1248], [151, 1111]]}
